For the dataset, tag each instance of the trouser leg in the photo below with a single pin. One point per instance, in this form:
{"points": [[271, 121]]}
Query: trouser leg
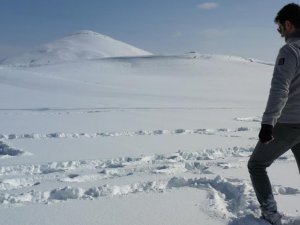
{"points": [[296, 152], [262, 157]]}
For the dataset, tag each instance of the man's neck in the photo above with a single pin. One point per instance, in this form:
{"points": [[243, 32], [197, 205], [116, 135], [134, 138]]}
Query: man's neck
{"points": [[293, 36]]}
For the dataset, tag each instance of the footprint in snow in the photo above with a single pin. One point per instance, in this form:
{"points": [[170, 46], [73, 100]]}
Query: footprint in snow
{"points": [[252, 220], [73, 175], [248, 220]]}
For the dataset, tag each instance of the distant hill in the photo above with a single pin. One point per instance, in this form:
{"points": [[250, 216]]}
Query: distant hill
{"points": [[81, 45]]}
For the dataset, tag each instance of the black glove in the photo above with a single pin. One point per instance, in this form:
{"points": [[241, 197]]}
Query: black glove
{"points": [[265, 134]]}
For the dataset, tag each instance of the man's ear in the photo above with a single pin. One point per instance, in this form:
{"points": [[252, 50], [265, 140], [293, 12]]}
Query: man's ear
{"points": [[288, 25]]}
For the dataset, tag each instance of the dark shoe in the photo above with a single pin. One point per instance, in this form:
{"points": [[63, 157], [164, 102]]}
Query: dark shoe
{"points": [[274, 218]]}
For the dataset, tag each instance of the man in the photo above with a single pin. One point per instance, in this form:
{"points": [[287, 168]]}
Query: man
{"points": [[280, 128]]}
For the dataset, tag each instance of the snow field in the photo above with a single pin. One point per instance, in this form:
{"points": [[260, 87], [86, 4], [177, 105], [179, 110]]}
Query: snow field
{"points": [[228, 198], [127, 139]]}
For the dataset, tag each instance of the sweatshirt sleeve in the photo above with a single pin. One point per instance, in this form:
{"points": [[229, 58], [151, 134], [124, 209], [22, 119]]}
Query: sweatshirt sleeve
{"points": [[284, 71]]}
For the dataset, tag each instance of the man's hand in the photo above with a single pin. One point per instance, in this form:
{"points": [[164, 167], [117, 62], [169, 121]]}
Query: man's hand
{"points": [[265, 134]]}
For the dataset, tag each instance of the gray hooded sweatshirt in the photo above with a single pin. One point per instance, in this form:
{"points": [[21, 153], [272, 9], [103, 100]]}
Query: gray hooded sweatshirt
{"points": [[284, 99]]}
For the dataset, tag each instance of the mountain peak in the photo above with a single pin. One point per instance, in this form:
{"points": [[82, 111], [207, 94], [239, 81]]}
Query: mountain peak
{"points": [[88, 32], [80, 45]]}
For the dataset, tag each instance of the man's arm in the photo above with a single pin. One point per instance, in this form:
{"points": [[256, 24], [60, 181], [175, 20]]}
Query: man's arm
{"points": [[284, 72]]}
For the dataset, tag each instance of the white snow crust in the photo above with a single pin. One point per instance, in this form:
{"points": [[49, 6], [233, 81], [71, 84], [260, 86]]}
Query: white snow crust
{"points": [[94, 131]]}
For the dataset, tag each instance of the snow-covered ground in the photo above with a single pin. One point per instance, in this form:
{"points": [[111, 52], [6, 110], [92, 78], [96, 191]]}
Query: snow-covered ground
{"points": [[133, 139]]}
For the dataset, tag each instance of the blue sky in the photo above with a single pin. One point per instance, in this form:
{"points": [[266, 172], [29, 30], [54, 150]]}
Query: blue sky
{"points": [[234, 27]]}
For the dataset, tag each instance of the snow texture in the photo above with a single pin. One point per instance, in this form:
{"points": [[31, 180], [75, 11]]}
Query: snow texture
{"points": [[89, 122]]}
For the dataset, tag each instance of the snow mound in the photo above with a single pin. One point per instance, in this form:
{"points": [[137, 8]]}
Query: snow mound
{"points": [[196, 55], [81, 45], [6, 150], [232, 58]]}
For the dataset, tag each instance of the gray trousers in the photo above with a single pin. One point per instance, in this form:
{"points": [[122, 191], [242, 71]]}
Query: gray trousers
{"points": [[286, 136]]}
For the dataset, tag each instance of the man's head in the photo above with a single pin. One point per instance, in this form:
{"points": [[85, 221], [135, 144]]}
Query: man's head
{"points": [[288, 19]]}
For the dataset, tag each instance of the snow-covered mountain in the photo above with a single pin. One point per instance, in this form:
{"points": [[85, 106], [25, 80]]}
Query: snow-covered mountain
{"points": [[81, 45]]}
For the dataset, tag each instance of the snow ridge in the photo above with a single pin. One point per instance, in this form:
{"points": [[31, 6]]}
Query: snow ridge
{"points": [[203, 131], [192, 161], [227, 198]]}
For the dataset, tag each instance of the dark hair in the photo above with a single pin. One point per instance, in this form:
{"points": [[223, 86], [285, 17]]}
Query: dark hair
{"points": [[290, 12]]}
